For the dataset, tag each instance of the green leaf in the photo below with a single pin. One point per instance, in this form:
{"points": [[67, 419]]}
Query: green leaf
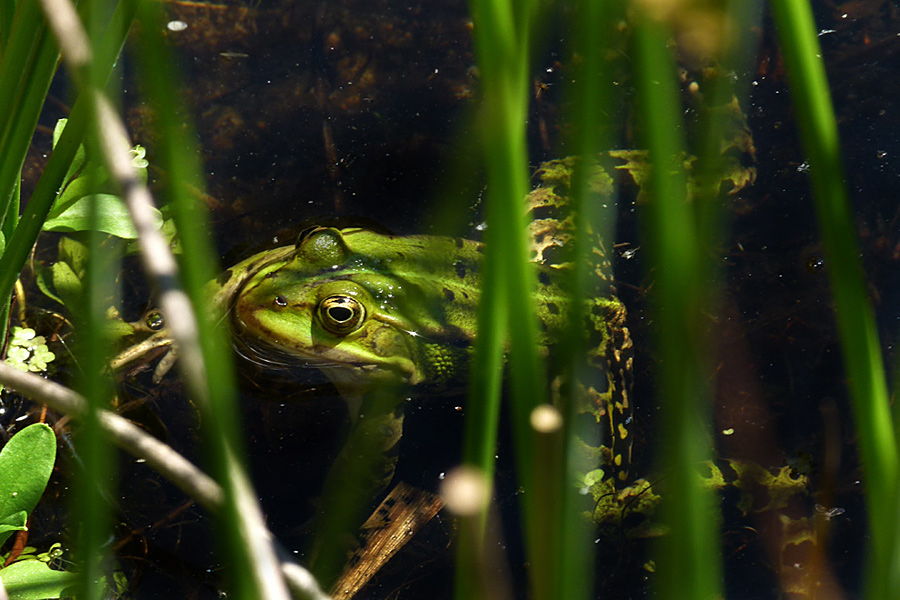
{"points": [[34, 580], [61, 281], [73, 253], [170, 233], [44, 279], [25, 466], [66, 284], [84, 185], [57, 130], [77, 160], [14, 522], [116, 330], [139, 160], [112, 216]]}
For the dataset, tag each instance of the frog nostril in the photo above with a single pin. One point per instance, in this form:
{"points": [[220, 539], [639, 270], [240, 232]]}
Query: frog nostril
{"points": [[281, 301]]}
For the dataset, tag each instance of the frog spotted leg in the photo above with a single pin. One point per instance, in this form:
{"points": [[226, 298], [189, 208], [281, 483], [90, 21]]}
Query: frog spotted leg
{"points": [[620, 409], [609, 400], [363, 468]]}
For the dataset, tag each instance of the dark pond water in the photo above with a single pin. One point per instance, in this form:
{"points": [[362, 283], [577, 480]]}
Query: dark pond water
{"points": [[364, 111]]}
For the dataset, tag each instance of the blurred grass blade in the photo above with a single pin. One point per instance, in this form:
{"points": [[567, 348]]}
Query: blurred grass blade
{"points": [[93, 511], [736, 54], [27, 65], [689, 558], [856, 323], [480, 436], [252, 567], [364, 466], [592, 24], [92, 507], [103, 263], [502, 43], [20, 47], [7, 12]]}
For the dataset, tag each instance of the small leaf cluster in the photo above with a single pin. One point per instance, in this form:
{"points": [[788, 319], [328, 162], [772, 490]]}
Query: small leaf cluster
{"points": [[28, 351]]}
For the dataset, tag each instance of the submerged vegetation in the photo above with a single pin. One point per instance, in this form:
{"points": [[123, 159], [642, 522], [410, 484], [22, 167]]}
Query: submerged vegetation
{"points": [[668, 78]]}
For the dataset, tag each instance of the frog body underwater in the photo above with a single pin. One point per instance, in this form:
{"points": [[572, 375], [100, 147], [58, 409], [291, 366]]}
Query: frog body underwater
{"points": [[369, 308], [381, 315], [374, 310], [366, 307]]}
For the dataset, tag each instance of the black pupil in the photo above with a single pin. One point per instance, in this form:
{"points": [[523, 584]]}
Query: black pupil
{"points": [[340, 314], [280, 301]]}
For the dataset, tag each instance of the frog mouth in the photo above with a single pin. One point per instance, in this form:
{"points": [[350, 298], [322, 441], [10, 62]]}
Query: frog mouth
{"points": [[266, 356], [269, 356], [301, 367]]}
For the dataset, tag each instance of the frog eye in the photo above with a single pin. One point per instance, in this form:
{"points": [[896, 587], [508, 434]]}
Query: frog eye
{"points": [[323, 247], [154, 320], [341, 314]]}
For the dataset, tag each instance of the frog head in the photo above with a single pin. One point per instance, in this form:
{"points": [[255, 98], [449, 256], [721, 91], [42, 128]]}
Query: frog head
{"points": [[335, 307]]}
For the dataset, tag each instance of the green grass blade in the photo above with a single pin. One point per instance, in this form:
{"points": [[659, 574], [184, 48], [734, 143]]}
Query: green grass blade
{"points": [[218, 395], [25, 76], [24, 99], [103, 264], [28, 28], [92, 507], [856, 323], [7, 12], [502, 42], [689, 557], [19, 245], [591, 104], [480, 436]]}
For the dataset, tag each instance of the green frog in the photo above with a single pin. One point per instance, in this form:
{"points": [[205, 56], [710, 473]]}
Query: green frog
{"points": [[369, 308], [373, 310], [380, 312]]}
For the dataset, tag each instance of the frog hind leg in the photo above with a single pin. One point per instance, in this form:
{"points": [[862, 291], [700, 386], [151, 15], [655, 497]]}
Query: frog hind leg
{"points": [[620, 410], [608, 397], [363, 468]]}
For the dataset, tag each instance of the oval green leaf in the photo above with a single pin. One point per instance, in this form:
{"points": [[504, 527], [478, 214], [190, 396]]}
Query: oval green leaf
{"points": [[26, 462], [34, 580], [112, 217]]}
